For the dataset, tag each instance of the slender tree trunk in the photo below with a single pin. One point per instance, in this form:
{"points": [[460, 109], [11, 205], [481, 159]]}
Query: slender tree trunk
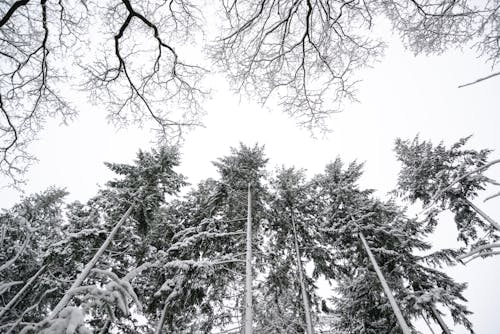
{"points": [[439, 320], [388, 293], [428, 325], [305, 298], [88, 267], [483, 214], [248, 284], [21, 292], [162, 319]]}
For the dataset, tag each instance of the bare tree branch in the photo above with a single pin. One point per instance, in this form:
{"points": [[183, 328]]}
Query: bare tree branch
{"points": [[15, 6], [127, 56], [302, 53], [481, 255], [480, 79], [492, 196], [47, 49]]}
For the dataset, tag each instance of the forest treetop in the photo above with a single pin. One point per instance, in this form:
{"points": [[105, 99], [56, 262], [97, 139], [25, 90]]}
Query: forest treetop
{"points": [[178, 259], [130, 57]]}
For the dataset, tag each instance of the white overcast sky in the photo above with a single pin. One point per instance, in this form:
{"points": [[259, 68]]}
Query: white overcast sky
{"points": [[399, 97]]}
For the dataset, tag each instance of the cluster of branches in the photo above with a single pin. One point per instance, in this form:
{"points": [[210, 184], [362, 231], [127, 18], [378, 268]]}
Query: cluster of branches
{"points": [[442, 178], [122, 54], [128, 56]]}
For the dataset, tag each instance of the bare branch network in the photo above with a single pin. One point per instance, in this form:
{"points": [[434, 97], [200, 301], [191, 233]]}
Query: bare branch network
{"points": [[130, 57], [122, 54]]}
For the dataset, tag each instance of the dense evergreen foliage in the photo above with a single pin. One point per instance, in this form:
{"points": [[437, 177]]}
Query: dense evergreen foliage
{"points": [[176, 263], [444, 178]]}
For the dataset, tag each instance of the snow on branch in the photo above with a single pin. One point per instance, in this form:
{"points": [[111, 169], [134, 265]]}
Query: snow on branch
{"points": [[19, 252], [22, 291], [121, 284], [479, 250], [187, 242], [4, 287], [477, 170], [481, 255]]}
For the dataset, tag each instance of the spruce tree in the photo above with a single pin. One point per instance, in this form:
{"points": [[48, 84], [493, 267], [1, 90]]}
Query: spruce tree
{"points": [[201, 285], [451, 178], [415, 280], [27, 232], [101, 292]]}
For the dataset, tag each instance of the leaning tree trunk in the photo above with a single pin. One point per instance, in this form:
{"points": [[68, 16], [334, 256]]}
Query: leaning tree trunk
{"points": [[21, 292], [305, 299], [483, 214], [88, 267], [428, 325], [439, 320], [248, 283], [388, 293], [162, 319]]}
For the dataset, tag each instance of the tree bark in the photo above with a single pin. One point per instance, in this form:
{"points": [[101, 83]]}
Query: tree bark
{"points": [[387, 290], [439, 320], [305, 298], [248, 283], [482, 214]]}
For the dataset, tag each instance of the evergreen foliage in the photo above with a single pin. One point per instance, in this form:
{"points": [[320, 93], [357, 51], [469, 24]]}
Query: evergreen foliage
{"points": [[176, 265], [448, 179]]}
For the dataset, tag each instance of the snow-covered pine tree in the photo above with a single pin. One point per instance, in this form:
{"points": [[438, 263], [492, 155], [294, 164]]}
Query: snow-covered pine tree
{"points": [[27, 230], [292, 241], [449, 179], [201, 284], [415, 280], [101, 289], [144, 186]]}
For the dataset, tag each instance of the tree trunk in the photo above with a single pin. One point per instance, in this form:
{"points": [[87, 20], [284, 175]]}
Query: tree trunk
{"points": [[305, 298], [483, 214], [248, 285], [428, 325], [162, 319], [88, 267], [439, 320], [20, 293], [388, 293]]}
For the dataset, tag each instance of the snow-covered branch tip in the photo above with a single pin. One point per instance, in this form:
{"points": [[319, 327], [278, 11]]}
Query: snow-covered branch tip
{"points": [[492, 196], [16, 256], [477, 170], [481, 255], [479, 251]]}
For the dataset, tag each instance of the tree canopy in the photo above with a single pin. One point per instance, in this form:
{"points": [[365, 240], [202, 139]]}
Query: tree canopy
{"points": [[142, 256], [130, 57]]}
